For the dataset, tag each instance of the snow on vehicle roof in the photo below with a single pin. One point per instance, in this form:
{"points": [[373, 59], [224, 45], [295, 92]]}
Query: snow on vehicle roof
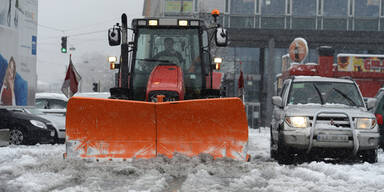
{"points": [[93, 94], [321, 79], [58, 96]]}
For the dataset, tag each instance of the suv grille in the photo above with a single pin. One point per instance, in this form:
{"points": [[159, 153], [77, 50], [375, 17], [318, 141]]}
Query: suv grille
{"points": [[335, 120]]}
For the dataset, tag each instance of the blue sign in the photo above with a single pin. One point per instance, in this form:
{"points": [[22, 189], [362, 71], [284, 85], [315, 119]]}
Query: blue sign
{"points": [[34, 38]]}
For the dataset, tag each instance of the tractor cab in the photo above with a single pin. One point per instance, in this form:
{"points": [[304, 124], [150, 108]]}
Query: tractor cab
{"points": [[182, 45], [170, 57]]}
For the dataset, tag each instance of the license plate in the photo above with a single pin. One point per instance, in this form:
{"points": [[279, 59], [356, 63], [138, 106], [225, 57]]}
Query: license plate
{"points": [[336, 138], [52, 133]]}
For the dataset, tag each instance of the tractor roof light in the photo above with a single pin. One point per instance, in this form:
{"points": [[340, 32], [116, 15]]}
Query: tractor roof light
{"points": [[194, 23], [153, 22], [215, 13], [183, 23], [142, 22]]}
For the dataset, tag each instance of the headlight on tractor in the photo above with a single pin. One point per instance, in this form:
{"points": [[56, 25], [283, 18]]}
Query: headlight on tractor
{"points": [[365, 123], [38, 124], [297, 122]]}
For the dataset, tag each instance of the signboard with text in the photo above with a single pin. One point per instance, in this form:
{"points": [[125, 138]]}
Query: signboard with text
{"points": [[360, 63]]}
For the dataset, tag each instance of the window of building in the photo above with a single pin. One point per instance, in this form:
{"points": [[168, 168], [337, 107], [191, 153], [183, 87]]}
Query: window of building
{"points": [[350, 10], [304, 23], [367, 8], [178, 6], [366, 24], [242, 22], [208, 5], [335, 24], [382, 8], [257, 6], [272, 7], [243, 7], [269, 22], [303, 8], [335, 8]]}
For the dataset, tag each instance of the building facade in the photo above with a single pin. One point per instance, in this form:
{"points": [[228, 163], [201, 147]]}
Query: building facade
{"points": [[261, 30]]}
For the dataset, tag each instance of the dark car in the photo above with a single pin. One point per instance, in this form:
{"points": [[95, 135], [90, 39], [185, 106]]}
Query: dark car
{"points": [[378, 110], [26, 129]]}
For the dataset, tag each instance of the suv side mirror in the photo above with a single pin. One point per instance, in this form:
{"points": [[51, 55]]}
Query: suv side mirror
{"points": [[221, 37], [278, 101], [371, 102], [114, 36]]}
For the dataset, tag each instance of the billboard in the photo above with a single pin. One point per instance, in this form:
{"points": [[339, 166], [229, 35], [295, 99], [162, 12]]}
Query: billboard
{"points": [[360, 63], [18, 41]]}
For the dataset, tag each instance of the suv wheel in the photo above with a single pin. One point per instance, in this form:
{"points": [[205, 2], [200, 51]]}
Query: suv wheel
{"points": [[272, 152], [283, 154], [370, 156], [16, 136]]}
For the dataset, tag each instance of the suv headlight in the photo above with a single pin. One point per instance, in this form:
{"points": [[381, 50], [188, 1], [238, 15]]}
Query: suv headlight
{"points": [[298, 122], [365, 123], [38, 124]]}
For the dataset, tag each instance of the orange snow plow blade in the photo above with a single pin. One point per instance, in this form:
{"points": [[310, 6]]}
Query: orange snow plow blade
{"points": [[215, 126], [121, 129], [107, 128]]}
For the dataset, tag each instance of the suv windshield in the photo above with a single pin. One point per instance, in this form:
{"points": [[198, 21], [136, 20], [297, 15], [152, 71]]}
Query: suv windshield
{"points": [[325, 93], [157, 46]]}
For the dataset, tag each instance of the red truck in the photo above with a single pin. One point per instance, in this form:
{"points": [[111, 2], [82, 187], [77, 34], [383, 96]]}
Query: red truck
{"points": [[366, 69]]}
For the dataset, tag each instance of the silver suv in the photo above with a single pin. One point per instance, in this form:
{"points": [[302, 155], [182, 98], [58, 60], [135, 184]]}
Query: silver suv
{"points": [[318, 117]]}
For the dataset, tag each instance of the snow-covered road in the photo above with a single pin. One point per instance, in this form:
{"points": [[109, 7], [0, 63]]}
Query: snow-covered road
{"points": [[42, 168]]}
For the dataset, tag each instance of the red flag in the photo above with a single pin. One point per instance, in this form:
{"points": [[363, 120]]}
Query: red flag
{"points": [[71, 81], [241, 80]]}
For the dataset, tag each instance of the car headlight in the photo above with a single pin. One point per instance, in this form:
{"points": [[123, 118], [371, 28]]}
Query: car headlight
{"points": [[38, 124], [365, 123], [298, 122]]}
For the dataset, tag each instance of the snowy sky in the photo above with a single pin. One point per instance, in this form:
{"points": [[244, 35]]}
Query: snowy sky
{"points": [[85, 22]]}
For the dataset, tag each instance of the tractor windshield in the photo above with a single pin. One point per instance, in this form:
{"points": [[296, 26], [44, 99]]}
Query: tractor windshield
{"points": [[156, 46]]}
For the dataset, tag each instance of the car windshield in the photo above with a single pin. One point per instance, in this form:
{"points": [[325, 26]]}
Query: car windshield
{"points": [[325, 93], [35, 111], [50, 104]]}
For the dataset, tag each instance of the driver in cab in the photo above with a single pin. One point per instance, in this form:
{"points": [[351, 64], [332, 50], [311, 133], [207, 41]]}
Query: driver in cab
{"points": [[169, 53]]}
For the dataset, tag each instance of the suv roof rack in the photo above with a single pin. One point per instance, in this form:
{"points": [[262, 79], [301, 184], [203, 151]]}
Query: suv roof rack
{"points": [[346, 77]]}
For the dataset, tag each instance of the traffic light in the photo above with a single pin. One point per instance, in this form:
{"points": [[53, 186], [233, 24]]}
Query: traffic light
{"points": [[64, 44], [95, 87]]}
